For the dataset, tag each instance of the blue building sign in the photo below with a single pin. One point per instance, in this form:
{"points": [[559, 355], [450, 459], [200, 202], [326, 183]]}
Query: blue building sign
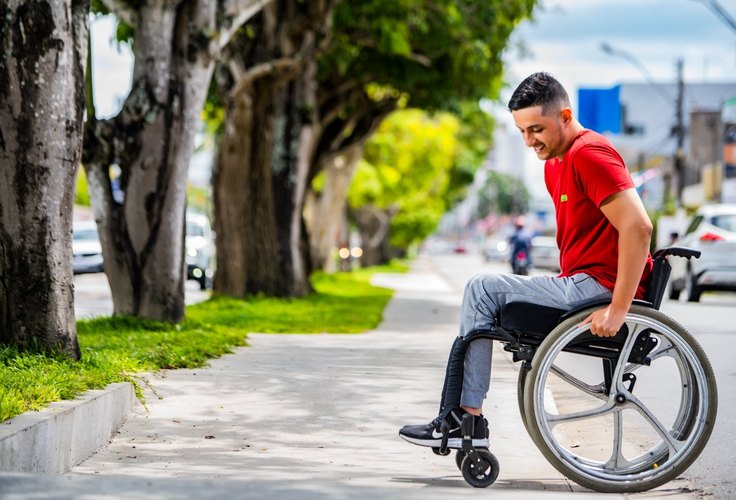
{"points": [[600, 109]]}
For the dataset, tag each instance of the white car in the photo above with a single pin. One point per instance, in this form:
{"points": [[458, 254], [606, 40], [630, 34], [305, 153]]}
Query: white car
{"points": [[545, 254], [86, 247], [200, 249], [712, 230]]}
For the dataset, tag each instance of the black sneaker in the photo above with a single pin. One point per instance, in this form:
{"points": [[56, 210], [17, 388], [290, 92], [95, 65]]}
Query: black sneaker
{"points": [[430, 434]]}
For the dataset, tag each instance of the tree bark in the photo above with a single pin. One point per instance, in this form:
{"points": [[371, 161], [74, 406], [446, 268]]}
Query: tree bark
{"points": [[374, 227], [273, 117], [151, 141], [327, 209], [43, 52]]}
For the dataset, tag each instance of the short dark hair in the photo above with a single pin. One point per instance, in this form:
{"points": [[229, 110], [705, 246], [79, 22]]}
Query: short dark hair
{"points": [[539, 89]]}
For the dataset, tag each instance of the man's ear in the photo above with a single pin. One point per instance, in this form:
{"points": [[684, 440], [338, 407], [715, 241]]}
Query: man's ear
{"points": [[566, 114]]}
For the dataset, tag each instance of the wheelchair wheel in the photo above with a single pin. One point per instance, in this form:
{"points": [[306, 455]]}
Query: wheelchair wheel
{"points": [[482, 471], [520, 385], [614, 425]]}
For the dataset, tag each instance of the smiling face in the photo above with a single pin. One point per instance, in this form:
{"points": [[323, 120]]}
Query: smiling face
{"points": [[549, 134]]}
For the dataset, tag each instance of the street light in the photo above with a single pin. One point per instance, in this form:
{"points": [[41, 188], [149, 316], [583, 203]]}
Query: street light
{"points": [[679, 128]]}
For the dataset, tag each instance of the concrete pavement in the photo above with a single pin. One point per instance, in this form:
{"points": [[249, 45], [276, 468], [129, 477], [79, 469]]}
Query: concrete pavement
{"points": [[315, 416]]}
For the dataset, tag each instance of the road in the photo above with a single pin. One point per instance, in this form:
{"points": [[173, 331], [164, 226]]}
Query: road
{"points": [[713, 323]]}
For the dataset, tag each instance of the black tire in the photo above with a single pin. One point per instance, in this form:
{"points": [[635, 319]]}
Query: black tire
{"points": [[693, 425], [483, 471], [693, 290], [520, 383], [674, 292], [459, 457]]}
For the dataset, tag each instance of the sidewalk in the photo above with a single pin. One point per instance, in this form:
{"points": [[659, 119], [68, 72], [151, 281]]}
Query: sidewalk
{"points": [[314, 416]]}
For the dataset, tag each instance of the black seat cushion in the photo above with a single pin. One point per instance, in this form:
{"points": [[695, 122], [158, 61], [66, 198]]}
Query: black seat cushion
{"points": [[531, 319]]}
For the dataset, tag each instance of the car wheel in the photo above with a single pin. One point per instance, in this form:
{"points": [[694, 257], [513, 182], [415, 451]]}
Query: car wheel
{"points": [[674, 292], [693, 290]]}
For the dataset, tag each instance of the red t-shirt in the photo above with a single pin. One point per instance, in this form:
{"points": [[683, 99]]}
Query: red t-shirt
{"points": [[589, 172]]}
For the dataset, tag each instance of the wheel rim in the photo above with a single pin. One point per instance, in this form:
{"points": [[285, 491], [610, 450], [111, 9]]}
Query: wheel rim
{"points": [[673, 439]]}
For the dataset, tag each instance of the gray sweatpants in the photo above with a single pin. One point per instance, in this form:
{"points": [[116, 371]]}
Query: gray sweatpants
{"points": [[484, 296]]}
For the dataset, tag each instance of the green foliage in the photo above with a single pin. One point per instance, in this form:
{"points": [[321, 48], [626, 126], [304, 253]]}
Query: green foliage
{"points": [[407, 166], [119, 348], [82, 193], [440, 52], [502, 194]]}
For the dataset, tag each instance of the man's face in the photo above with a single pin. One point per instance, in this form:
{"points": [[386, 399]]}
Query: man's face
{"points": [[542, 132]]}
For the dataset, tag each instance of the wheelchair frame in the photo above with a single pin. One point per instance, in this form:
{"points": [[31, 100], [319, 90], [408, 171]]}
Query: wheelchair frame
{"points": [[543, 339]]}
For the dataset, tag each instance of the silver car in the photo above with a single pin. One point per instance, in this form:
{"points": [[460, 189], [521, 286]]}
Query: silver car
{"points": [[200, 249], [86, 248], [713, 232]]}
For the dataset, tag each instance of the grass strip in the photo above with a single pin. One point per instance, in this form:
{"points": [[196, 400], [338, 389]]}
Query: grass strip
{"points": [[118, 348]]}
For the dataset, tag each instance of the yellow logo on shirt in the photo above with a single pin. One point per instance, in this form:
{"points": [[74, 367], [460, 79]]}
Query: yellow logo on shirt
{"points": [[563, 198]]}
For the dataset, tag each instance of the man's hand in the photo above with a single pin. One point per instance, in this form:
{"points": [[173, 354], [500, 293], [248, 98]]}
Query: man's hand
{"points": [[605, 322]]}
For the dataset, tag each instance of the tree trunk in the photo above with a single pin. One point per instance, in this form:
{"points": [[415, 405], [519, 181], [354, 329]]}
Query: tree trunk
{"points": [[43, 52], [374, 224], [247, 257], [151, 141], [270, 137], [327, 210]]}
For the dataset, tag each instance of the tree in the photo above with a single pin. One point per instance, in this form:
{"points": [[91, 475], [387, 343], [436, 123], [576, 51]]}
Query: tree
{"points": [[436, 55], [151, 142], [269, 90], [399, 191], [502, 194], [43, 49]]}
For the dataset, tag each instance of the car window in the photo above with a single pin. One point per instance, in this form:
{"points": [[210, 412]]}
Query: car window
{"points": [[194, 229], [694, 224], [725, 221], [85, 234]]}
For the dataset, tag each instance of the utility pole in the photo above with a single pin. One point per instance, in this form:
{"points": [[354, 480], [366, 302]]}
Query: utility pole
{"points": [[679, 159]]}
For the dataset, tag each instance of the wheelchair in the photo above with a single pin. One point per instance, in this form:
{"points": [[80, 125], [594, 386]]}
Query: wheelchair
{"points": [[619, 414]]}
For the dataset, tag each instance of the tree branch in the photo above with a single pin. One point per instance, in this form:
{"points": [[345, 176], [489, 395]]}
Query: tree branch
{"points": [[122, 10], [239, 12]]}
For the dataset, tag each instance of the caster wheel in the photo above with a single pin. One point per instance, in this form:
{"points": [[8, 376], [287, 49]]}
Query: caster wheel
{"points": [[482, 471], [459, 457], [437, 451]]}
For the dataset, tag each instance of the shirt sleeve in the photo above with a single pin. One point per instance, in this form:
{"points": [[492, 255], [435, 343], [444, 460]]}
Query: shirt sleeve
{"points": [[601, 172]]}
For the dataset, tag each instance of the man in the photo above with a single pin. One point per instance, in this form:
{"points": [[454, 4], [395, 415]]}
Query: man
{"points": [[603, 233], [521, 247]]}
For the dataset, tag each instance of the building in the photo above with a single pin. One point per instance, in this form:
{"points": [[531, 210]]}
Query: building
{"points": [[641, 121]]}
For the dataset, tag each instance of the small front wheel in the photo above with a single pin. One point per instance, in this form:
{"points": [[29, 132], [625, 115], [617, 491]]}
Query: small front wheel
{"points": [[481, 471], [459, 457]]}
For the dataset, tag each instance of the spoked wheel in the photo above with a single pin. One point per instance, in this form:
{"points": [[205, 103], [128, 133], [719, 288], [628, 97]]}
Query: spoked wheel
{"points": [[629, 427], [481, 471], [520, 386]]}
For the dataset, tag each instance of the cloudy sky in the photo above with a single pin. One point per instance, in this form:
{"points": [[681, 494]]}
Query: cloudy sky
{"points": [[564, 39], [566, 35]]}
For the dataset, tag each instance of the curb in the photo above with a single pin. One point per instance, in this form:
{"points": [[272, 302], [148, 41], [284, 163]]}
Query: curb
{"points": [[65, 433]]}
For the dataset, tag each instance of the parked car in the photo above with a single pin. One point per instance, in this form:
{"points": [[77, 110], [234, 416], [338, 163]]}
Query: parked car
{"points": [[712, 230], [86, 248], [200, 249], [545, 254]]}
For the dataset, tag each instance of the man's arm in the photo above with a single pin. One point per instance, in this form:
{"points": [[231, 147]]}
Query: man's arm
{"points": [[625, 211]]}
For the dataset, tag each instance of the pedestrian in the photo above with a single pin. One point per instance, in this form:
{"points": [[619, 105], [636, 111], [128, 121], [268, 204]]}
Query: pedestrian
{"points": [[603, 233]]}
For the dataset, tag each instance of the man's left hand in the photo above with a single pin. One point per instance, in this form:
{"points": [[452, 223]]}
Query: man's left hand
{"points": [[605, 322]]}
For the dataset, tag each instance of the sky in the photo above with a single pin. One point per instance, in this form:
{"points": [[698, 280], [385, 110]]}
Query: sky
{"points": [[564, 39]]}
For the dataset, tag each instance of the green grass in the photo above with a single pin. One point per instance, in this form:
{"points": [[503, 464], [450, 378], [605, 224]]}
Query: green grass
{"points": [[119, 348]]}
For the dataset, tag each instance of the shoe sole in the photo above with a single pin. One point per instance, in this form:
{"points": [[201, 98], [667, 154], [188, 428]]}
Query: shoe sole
{"points": [[452, 443]]}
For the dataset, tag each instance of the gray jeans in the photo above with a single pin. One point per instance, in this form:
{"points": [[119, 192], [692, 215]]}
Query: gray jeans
{"points": [[484, 296]]}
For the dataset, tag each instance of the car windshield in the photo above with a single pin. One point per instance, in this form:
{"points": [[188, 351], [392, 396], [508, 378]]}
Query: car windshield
{"points": [[725, 221]]}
